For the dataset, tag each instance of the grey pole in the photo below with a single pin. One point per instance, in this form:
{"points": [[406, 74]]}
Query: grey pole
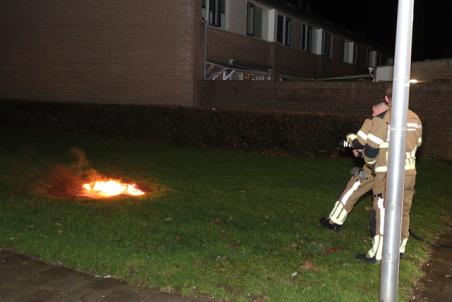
{"points": [[396, 162]]}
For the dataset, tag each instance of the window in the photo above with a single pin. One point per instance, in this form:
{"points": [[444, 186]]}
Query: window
{"points": [[288, 32], [349, 52], [204, 9], [217, 12], [339, 49], [327, 49], [361, 53], [383, 59], [256, 21], [306, 38], [280, 29], [250, 19], [374, 58], [284, 31]]}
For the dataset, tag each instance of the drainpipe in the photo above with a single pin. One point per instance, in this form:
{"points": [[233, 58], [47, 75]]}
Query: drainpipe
{"points": [[206, 27]]}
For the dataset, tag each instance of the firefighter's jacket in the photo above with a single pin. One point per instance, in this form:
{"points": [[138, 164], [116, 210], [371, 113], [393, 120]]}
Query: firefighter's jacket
{"points": [[377, 144], [361, 135]]}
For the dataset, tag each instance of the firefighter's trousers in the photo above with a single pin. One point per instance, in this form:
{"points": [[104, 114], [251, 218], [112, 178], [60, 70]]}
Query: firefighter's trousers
{"points": [[379, 205], [357, 186]]}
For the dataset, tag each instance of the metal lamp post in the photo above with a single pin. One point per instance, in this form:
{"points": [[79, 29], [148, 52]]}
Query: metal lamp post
{"points": [[396, 162]]}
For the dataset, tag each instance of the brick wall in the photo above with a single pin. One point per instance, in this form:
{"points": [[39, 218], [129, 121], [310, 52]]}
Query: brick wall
{"points": [[110, 51], [432, 70], [432, 102]]}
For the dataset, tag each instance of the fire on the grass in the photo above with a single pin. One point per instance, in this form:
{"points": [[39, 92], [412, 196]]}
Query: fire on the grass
{"points": [[104, 188]]}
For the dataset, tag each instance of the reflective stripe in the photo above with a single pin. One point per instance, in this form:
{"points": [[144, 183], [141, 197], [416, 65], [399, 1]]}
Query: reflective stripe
{"points": [[414, 125], [419, 141], [410, 162], [381, 208], [379, 254], [375, 139], [384, 145], [362, 135], [349, 193], [334, 209], [338, 214], [377, 248], [342, 216], [381, 169], [372, 162], [411, 154], [375, 242], [408, 166], [403, 245], [388, 133]]}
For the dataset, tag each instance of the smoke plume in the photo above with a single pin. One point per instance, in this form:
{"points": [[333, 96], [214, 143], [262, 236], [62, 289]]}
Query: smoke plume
{"points": [[67, 180]]}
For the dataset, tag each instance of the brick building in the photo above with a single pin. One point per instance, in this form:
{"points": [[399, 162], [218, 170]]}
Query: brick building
{"points": [[266, 39], [152, 52], [110, 51]]}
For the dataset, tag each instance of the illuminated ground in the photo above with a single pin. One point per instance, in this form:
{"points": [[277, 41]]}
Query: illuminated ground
{"points": [[240, 226]]}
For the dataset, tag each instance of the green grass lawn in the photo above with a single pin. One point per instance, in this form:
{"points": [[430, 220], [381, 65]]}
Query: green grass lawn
{"points": [[231, 225]]}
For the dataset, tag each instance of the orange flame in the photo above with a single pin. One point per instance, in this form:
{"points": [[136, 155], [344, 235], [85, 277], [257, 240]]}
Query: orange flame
{"points": [[110, 188]]}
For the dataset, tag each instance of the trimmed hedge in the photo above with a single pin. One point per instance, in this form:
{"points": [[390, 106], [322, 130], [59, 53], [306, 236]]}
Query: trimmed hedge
{"points": [[239, 130]]}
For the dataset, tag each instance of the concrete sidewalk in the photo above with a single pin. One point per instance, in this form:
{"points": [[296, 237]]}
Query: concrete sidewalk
{"points": [[436, 285], [23, 279]]}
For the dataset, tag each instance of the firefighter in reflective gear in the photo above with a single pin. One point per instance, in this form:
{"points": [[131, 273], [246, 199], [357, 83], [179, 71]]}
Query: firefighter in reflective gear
{"points": [[361, 182], [376, 157]]}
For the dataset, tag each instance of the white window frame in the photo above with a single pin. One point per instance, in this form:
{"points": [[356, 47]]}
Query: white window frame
{"points": [[317, 41], [285, 33], [306, 39], [223, 18], [330, 47], [265, 20], [349, 52]]}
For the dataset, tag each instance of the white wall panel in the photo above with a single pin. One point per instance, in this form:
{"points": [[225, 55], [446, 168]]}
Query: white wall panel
{"points": [[236, 16]]}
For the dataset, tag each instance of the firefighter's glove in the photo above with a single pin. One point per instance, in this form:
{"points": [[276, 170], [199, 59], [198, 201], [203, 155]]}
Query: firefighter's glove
{"points": [[351, 137], [355, 171], [362, 174]]}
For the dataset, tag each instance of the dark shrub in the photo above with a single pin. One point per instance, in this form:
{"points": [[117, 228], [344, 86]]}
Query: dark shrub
{"points": [[240, 130]]}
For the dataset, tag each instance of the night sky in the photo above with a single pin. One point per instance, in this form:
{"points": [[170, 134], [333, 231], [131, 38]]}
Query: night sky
{"points": [[375, 20]]}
